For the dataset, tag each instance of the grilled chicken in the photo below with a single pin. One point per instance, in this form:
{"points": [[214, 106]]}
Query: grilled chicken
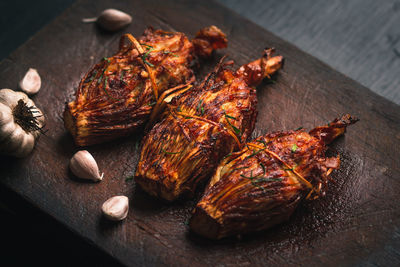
{"points": [[117, 95], [261, 185], [200, 127]]}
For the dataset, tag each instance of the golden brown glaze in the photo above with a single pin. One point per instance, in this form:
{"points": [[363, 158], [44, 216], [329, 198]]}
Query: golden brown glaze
{"points": [[262, 184], [117, 95], [200, 127]]}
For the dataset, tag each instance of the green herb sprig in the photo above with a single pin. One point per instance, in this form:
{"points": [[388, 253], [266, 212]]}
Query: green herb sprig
{"points": [[121, 77], [294, 148], [92, 77], [169, 52], [262, 142], [144, 57], [255, 152], [235, 129], [200, 107], [105, 89], [258, 179], [130, 178]]}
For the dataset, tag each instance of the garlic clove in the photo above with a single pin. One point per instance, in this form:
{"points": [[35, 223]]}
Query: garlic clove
{"points": [[84, 166], [31, 82], [111, 19], [116, 208]]}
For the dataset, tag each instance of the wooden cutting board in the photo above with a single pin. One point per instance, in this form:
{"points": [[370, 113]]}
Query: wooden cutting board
{"points": [[356, 223]]}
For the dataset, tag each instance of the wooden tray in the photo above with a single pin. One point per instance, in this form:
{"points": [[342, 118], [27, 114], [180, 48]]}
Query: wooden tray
{"points": [[357, 222]]}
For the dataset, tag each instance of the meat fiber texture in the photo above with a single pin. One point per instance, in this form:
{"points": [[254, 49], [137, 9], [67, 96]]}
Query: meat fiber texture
{"points": [[261, 185], [117, 95], [201, 126]]}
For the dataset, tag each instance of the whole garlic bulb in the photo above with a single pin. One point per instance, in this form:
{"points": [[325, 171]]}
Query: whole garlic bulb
{"points": [[20, 123], [116, 208]]}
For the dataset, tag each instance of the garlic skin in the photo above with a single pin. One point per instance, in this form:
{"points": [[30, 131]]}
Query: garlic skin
{"points": [[116, 208], [17, 139], [84, 166], [31, 82], [111, 19]]}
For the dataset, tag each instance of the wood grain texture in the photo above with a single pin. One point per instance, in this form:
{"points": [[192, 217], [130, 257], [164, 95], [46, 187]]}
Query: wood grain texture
{"points": [[358, 38], [358, 222]]}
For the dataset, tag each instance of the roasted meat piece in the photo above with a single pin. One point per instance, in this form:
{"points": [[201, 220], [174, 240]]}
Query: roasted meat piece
{"points": [[117, 95], [200, 126], [261, 185]]}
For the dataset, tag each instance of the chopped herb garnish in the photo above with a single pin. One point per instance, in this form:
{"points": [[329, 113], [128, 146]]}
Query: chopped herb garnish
{"points": [[130, 178], [200, 108], [100, 78], [105, 89], [263, 179], [254, 153], [294, 148], [257, 179], [144, 57], [230, 117], [151, 103], [169, 52], [301, 127], [262, 142], [228, 155], [248, 177], [199, 105], [121, 77], [92, 77], [291, 169], [235, 129], [263, 167], [106, 59], [147, 46]]}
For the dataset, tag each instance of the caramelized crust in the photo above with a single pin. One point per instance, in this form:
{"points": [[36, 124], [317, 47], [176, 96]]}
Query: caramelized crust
{"points": [[262, 184], [117, 95], [200, 127]]}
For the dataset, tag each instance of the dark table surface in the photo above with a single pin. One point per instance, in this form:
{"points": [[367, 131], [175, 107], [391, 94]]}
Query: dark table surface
{"points": [[358, 38]]}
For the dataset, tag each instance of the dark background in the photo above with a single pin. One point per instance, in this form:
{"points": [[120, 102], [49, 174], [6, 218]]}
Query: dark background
{"points": [[360, 38]]}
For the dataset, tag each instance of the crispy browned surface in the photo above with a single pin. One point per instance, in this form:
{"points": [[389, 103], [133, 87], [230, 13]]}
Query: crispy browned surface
{"points": [[209, 39], [117, 95], [261, 185], [200, 127]]}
